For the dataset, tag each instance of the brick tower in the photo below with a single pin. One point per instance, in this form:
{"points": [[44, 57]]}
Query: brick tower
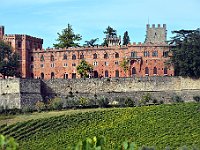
{"points": [[156, 35]]}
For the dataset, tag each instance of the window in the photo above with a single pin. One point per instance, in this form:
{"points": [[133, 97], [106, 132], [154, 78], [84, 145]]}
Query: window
{"points": [[116, 73], [116, 62], [155, 54], [165, 71], [32, 75], [52, 75], [106, 63], [146, 71], [95, 56], [42, 58], [64, 56], [73, 75], [133, 71], [166, 54], [106, 73], [42, 65], [42, 75], [133, 54], [31, 66], [73, 57], [65, 76], [32, 58], [65, 64], [19, 44], [82, 56], [155, 71], [116, 55], [52, 58], [95, 63], [73, 64], [52, 65], [106, 55], [146, 54]]}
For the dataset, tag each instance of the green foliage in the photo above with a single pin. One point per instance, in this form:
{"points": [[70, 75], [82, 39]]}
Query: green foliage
{"points": [[40, 106], [126, 38], [8, 143], [91, 42], [177, 99], [196, 98], [129, 102], [185, 53], [159, 126], [9, 61], [83, 101], [109, 32], [67, 38], [103, 102], [125, 65], [84, 69], [146, 98], [55, 104]]}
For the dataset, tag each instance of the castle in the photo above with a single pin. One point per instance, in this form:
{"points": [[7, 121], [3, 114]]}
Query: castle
{"points": [[145, 59]]}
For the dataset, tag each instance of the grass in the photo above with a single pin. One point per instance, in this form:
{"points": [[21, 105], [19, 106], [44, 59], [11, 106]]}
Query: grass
{"points": [[160, 126]]}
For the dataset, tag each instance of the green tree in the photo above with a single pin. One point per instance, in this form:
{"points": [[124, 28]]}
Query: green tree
{"points": [[126, 38], [84, 69], [8, 143], [186, 53], [9, 61], [125, 65], [109, 32], [67, 38], [91, 42]]}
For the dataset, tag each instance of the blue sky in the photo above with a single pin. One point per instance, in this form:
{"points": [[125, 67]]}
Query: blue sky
{"points": [[44, 18]]}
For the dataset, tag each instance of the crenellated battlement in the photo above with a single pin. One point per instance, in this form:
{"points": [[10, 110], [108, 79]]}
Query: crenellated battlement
{"points": [[154, 26]]}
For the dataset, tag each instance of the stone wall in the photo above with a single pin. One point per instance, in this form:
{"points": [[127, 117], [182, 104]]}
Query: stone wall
{"points": [[161, 88]]}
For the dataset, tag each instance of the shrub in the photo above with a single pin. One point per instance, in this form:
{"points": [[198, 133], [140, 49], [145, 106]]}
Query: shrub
{"points": [[103, 102], [27, 109], [55, 104], [8, 143], [129, 102], [196, 98], [155, 101], [40, 106], [83, 101], [177, 99]]}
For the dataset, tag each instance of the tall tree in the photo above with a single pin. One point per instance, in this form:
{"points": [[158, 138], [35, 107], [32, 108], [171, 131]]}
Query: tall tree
{"points": [[125, 65], [9, 61], [186, 53], [67, 38], [84, 69], [126, 38], [109, 32]]}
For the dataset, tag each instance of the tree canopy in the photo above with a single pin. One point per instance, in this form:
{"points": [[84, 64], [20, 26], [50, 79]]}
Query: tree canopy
{"points": [[126, 38], [109, 32], [67, 38], [84, 69], [91, 42], [9, 61], [125, 65], [186, 53]]}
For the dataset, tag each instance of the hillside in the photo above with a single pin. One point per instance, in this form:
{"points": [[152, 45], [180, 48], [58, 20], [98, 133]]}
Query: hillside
{"points": [[159, 126]]}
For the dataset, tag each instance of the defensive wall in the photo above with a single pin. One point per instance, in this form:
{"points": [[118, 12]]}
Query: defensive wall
{"points": [[19, 93]]}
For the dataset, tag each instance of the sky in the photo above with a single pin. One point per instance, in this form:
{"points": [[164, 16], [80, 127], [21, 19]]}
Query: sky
{"points": [[46, 18]]}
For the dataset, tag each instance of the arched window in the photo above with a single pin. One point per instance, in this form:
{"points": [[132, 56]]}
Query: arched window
{"points": [[133, 71], [106, 73], [42, 58], [73, 57], [116, 55], [95, 56], [165, 71], [42, 75], [32, 58], [106, 55], [154, 70], [81, 56], [32, 75], [52, 58], [146, 71], [116, 73], [64, 56], [52, 75]]}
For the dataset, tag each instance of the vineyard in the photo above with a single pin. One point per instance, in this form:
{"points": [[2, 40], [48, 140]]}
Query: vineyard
{"points": [[159, 126]]}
